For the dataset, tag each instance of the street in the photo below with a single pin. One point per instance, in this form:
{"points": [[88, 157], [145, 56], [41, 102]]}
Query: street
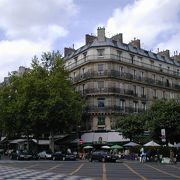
{"points": [[84, 170]]}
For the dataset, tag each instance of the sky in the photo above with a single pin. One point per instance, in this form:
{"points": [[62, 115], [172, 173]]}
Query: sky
{"points": [[31, 27]]}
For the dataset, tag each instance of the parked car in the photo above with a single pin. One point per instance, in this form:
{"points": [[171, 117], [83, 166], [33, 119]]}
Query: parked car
{"points": [[102, 156], [58, 156], [21, 155], [64, 157], [70, 157], [45, 155]]}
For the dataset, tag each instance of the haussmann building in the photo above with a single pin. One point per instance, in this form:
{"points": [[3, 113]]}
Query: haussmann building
{"points": [[118, 78]]}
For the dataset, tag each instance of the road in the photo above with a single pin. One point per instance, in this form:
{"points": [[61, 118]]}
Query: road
{"points": [[84, 170]]}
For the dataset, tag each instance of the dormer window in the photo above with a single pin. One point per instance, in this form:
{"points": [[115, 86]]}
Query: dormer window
{"points": [[100, 52], [75, 59]]}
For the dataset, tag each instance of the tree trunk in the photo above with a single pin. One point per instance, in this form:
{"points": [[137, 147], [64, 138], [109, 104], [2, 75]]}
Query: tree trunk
{"points": [[51, 143], [28, 142]]}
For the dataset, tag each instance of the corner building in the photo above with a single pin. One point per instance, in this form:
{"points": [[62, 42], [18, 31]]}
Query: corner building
{"points": [[118, 78]]}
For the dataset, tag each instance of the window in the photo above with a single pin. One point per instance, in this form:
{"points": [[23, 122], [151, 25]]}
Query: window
{"points": [[134, 73], [142, 91], [154, 94], [143, 106], [132, 58], [122, 104], [134, 89], [164, 95], [101, 120], [167, 83], [100, 67], [100, 84], [121, 69], [85, 55], [142, 74], [100, 52], [101, 102], [75, 59], [135, 105], [154, 77], [119, 54]]}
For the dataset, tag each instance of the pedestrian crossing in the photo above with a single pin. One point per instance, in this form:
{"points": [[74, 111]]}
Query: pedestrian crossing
{"points": [[11, 173]]}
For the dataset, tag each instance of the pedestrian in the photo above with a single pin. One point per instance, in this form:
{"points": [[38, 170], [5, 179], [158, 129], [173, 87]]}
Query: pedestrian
{"points": [[142, 157]]}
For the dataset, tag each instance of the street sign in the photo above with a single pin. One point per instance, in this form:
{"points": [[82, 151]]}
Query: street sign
{"points": [[163, 132], [163, 135]]}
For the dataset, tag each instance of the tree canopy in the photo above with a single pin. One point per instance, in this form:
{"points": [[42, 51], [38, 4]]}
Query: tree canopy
{"points": [[41, 100], [162, 114]]}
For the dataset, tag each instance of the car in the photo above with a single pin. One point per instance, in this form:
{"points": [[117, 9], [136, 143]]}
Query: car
{"points": [[70, 157], [58, 156], [21, 155], [64, 157], [103, 156], [45, 155]]}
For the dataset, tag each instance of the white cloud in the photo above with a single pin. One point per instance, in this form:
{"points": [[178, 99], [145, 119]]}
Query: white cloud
{"points": [[155, 22], [31, 27]]}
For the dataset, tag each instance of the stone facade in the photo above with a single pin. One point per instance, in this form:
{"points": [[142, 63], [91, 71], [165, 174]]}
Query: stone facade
{"points": [[118, 78]]}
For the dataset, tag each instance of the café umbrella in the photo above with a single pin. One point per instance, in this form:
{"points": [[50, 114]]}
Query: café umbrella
{"points": [[116, 147], [88, 147], [131, 144], [152, 144], [105, 147]]}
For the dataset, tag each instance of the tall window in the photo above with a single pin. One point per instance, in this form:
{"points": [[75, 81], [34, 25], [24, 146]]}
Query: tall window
{"points": [[135, 89], [154, 94], [143, 105], [135, 105], [142, 74], [134, 73], [101, 102], [100, 52], [132, 58], [100, 84], [142, 91], [100, 67], [122, 104], [101, 120]]}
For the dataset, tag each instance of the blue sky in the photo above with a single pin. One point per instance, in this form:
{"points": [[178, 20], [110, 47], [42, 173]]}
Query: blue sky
{"points": [[30, 27]]}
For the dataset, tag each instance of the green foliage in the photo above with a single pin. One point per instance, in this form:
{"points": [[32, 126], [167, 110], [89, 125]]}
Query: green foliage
{"points": [[132, 125], [42, 100], [165, 115], [161, 115]]}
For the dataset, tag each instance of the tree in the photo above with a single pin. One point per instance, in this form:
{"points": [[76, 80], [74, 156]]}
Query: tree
{"points": [[132, 125], [41, 100], [165, 115]]}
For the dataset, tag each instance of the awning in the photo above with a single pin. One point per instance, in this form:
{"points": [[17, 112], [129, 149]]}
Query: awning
{"points": [[108, 137]]}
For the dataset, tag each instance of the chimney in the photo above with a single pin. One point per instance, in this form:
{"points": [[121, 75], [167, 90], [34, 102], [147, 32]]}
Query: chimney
{"points": [[89, 39], [118, 37], [176, 57], [165, 53], [68, 51], [101, 34], [135, 43]]}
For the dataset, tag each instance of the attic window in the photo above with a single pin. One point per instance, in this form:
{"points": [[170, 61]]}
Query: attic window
{"points": [[100, 52], [114, 42]]}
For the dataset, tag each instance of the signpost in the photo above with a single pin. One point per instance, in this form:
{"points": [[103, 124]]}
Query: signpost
{"points": [[163, 135]]}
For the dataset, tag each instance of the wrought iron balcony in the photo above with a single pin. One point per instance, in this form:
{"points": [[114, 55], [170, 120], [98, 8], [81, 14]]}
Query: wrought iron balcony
{"points": [[128, 61], [117, 74], [112, 110]]}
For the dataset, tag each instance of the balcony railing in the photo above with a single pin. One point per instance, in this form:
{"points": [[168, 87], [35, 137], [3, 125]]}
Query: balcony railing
{"points": [[91, 58], [112, 109], [117, 74]]}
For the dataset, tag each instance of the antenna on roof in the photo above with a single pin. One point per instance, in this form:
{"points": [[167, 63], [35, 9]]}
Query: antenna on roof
{"points": [[73, 46]]}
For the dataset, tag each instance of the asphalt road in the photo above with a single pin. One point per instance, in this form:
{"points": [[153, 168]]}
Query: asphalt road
{"points": [[130, 170]]}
